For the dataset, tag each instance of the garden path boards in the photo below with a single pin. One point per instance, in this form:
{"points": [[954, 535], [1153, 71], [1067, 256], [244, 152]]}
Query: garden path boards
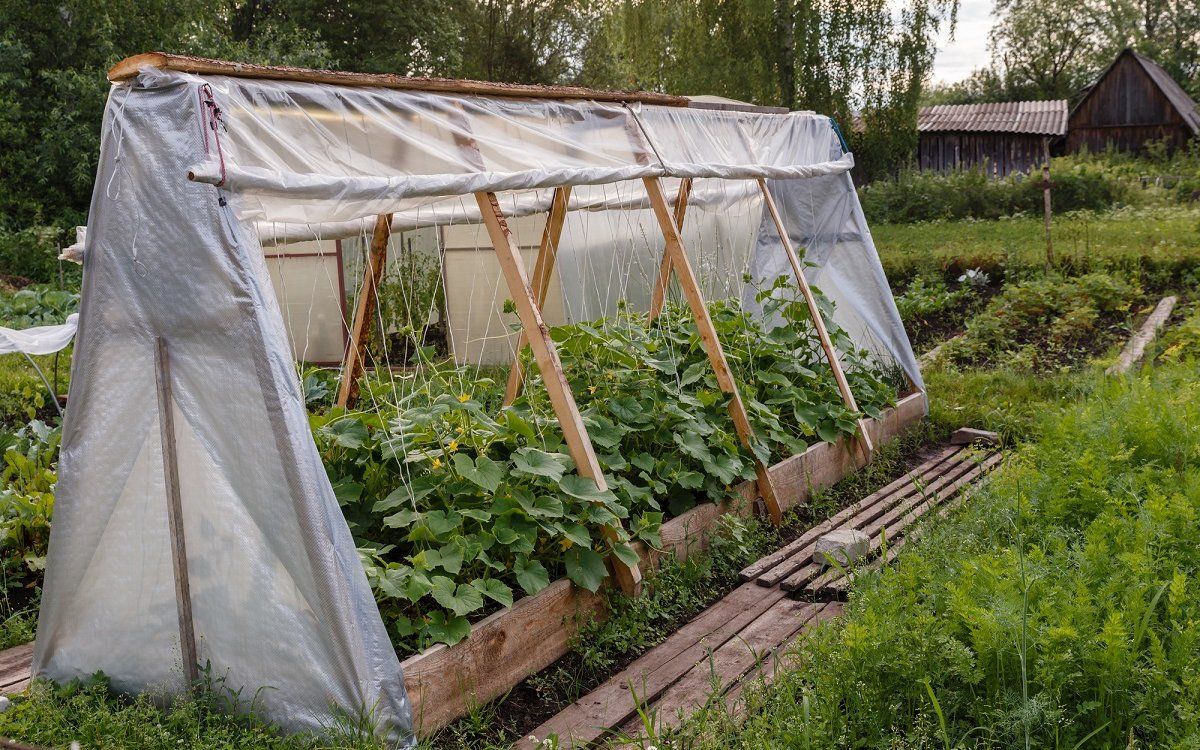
{"points": [[740, 640]]}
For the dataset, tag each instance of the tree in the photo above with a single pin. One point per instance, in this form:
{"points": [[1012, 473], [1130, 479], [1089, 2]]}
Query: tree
{"points": [[1044, 49]]}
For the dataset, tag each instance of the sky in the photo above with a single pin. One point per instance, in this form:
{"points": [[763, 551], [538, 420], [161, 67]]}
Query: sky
{"points": [[958, 58]]}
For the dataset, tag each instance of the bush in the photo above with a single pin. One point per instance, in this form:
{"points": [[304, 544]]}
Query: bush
{"points": [[31, 255], [971, 194]]}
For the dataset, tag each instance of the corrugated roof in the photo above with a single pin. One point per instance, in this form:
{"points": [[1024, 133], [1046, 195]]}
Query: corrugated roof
{"points": [[1034, 118], [1172, 90]]}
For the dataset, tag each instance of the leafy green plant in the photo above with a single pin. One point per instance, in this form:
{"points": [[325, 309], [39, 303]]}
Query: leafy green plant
{"points": [[1048, 322], [37, 305]]}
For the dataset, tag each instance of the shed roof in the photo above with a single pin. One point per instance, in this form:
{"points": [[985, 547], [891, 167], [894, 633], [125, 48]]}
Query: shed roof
{"points": [[1179, 99], [1032, 118]]}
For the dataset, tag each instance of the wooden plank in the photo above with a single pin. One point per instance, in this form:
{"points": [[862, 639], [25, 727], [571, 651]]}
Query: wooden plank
{"points": [[203, 66], [17, 657], [658, 294], [818, 321], [764, 564], [873, 523], [893, 523], [503, 649], [579, 445], [364, 311], [725, 665], [183, 591], [613, 703], [765, 673], [543, 271], [969, 435], [708, 339], [1135, 348]]}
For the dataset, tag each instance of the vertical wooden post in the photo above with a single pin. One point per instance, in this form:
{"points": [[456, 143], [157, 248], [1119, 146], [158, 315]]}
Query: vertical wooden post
{"points": [[818, 322], [708, 338], [658, 294], [364, 311], [543, 270], [1046, 199], [183, 591], [579, 445]]}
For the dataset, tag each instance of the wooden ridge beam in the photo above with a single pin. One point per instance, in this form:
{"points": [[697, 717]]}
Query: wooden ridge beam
{"points": [[204, 66], [579, 444]]}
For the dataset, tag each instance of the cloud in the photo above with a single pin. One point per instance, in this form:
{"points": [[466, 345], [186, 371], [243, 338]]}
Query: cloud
{"points": [[958, 58]]}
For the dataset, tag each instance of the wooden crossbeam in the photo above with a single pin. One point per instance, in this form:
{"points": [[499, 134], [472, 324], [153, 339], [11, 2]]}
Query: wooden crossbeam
{"points": [[183, 590], [708, 338], [658, 295], [543, 271], [810, 299], [579, 445], [364, 312]]}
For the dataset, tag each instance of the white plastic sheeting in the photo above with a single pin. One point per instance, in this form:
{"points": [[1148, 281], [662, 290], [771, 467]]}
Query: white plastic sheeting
{"points": [[39, 339], [282, 607]]}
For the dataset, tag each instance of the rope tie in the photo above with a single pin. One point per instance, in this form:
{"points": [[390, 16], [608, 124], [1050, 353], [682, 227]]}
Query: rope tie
{"points": [[211, 116]]}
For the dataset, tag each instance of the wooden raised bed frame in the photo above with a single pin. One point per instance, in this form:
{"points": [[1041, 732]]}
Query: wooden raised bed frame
{"points": [[445, 682]]}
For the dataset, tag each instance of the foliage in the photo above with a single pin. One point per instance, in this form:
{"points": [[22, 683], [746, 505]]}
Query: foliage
{"points": [[930, 309], [31, 254], [1058, 609], [1182, 342], [27, 482], [1047, 322], [457, 510], [38, 305], [91, 713], [1078, 183]]}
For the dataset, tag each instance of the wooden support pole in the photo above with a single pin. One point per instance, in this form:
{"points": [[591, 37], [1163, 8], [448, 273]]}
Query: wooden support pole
{"points": [[818, 322], [579, 445], [364, 312], [658, 294], [543, 271], [1046, 199], [183, 591], [708, 337]]}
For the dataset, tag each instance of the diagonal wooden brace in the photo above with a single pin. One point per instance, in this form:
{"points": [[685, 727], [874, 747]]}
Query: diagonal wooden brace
{"points": [[364, 312], [579, 445], [708, 337]]}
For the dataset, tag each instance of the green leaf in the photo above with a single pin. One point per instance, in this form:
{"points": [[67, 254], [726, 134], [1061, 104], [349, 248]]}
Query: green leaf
{"points": [[441, 522], [531, 575], [483, 471], [625, 554], [347, 492], [401, 520], [348, 433], [447, 630], [585, 568], [577, 533], [539, 463], [461, 600], [583, 488], [494, 590]]}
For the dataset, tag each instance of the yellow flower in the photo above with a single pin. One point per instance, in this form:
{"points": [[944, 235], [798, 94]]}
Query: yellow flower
{"points": [[591, 389], [437, 463], [464, 397], [566, 544], [459, 430], [453, 445]]}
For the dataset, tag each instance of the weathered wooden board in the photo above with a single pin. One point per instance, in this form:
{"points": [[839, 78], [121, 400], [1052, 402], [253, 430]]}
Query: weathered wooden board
{"points": [[1135, 348]]}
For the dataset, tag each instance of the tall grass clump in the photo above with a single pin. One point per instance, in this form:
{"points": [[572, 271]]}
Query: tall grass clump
{"points": [[1059, 609]]}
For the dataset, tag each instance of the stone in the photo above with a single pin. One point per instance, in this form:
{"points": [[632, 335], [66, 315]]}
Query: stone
{"points": [[844, 546]]}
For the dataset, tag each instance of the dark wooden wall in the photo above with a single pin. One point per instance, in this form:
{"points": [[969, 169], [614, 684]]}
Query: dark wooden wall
{"points": [[1125, 110], [998, 154]]}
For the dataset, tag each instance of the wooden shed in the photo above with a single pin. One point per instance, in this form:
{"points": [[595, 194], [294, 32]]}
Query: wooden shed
{"points": [[998, 137], [1133, 102]]}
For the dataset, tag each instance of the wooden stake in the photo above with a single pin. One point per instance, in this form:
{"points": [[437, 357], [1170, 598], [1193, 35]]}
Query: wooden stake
{"points": [[543, 271], [708, 338], [364, 312], [579, 445], [818, 322], [183, 591], [658, 295], [1046, 199]]}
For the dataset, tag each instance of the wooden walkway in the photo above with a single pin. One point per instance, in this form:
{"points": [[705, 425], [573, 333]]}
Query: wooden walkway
{"points": [[740, 640]]}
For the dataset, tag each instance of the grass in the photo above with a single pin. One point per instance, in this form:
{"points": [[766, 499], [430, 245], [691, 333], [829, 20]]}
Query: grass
{"points": [[1061, 608], [1160, 245]]}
